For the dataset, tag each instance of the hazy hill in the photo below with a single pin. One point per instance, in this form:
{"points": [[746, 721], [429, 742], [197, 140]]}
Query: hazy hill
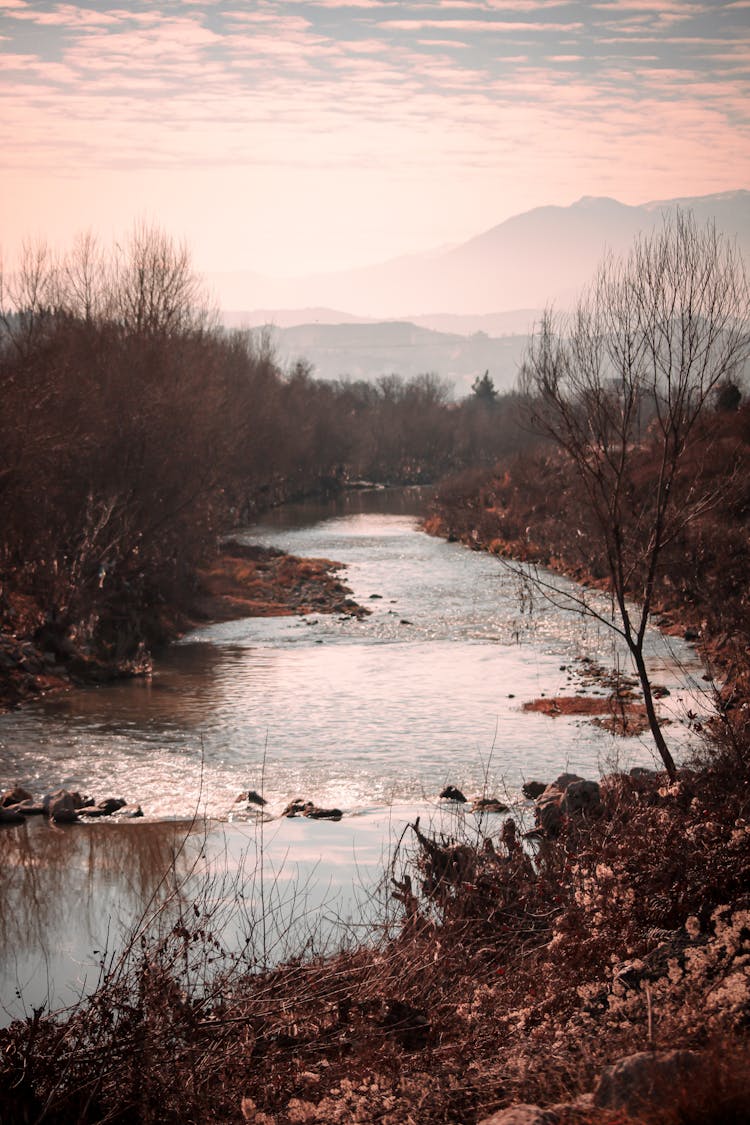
{"points": [[367, 351], [539, 256]]}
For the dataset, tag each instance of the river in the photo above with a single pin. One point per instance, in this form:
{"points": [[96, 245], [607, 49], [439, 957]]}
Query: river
{"points": [[374, 716]]}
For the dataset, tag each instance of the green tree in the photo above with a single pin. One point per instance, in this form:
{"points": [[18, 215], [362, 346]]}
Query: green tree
{"points": [[483, 390]]}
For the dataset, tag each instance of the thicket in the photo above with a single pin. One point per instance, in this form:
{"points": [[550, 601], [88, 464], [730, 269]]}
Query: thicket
{"points": [[510, 974], [134, 431]]}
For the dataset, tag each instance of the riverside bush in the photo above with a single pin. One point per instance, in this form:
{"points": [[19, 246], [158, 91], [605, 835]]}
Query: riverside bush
{"points": [[509, 975]]}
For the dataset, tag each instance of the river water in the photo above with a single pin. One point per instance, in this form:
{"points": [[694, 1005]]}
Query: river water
{"points": [[374, 716]]}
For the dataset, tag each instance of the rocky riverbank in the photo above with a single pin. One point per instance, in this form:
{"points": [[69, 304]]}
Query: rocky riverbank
{"points": [[598, 977], [242, 581]]}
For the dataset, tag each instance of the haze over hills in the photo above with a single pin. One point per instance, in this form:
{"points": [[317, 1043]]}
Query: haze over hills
{"points": [[461, 310], [368, 351], [540, 256]]}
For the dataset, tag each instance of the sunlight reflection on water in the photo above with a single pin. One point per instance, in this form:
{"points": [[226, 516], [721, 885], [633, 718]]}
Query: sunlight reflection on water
{"points": [[427, 690]]}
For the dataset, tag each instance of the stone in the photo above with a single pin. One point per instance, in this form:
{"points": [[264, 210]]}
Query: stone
{"points": [[14, 796], [639, 773], [112, 805], [581, 797], [29, 808], [645, 1080], [564, 780], [533, 789], [489, 804], [314, 813], [568, 795], [450, 793], [548, 811], [105, 808], [62, 806], [298, 807]]}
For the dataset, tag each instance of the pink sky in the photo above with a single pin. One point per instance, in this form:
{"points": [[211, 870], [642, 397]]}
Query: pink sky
{"points": [[292, 137]]}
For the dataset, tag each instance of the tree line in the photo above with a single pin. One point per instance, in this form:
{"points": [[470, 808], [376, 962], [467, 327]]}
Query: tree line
{"points": [[135, 431]]}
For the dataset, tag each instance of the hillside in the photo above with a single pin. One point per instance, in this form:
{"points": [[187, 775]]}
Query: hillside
{"points": [[540, 256], [368, 351]]}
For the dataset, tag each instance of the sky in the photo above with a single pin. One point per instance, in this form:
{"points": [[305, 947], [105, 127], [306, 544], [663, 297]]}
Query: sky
{"points": [[289, 138]]}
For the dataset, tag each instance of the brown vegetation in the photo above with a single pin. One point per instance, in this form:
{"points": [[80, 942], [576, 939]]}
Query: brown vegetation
{"points": [[508, 976], [513, 971], [135, 432], [252, 581], [531, 509]]}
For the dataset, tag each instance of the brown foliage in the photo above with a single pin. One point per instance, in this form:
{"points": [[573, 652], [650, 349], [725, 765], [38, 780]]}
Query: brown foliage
{"points": [[511, 976]]}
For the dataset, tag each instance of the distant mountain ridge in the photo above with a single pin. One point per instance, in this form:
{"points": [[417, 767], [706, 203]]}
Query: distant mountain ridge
{"points": [[368, 351], [541, 256]]}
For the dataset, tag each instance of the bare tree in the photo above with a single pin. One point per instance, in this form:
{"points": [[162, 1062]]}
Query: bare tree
{"points": [[630, 375], [153, 289], [82, 278], [27, 294]]}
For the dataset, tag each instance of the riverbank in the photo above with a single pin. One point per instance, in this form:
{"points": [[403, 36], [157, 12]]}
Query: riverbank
{"points": [[241, 581], [531, 510], [507, 973], [602, 977]]}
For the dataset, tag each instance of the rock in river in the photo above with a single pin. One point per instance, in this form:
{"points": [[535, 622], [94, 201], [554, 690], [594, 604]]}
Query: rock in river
{"points": [[450, 793]]}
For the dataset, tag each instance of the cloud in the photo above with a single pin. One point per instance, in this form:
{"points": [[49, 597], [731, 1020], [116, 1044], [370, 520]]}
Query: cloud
{"points": [[398, 97], [496, 26]]}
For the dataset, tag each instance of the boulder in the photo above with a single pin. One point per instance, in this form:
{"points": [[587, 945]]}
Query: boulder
{"points": [[563, 781], [648, 1079], [314, 813], [295, 807], [105, 808], [450, 793], [639, 773], [62, 806], [298, 807], [569, 795], [533, 789], [28, 808], [76, 800], [112, 805], [548, 811], [14, 796], [489, 804], [581, 797]]}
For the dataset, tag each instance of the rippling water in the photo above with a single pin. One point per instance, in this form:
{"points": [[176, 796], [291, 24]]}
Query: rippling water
{"points": [[426, 690], [373, 716]]}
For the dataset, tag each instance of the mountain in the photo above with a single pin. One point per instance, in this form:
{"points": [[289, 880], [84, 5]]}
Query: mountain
{"points": [[512, 322], [540, 256], [288, 318]]}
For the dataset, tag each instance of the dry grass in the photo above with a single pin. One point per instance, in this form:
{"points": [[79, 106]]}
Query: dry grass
{"points": [[508, 976]]}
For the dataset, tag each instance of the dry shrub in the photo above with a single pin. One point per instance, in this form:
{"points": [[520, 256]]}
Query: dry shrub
{"points": [[514, 972]]}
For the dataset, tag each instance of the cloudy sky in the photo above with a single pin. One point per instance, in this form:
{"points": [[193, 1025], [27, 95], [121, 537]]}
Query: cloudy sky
{"points": [[287, 137]]}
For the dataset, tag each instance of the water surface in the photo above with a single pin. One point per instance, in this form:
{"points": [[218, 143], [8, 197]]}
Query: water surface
{"points": [[426, 690], [373, 716]]}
